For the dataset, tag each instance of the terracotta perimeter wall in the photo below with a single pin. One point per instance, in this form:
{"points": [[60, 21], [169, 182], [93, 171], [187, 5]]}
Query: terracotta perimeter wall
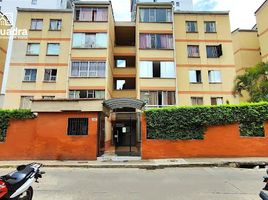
{"points": [[45, 138], [219, 141]]}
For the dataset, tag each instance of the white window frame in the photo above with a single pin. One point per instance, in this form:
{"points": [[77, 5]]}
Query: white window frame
{"points": [[28, 78], [214, 76], [29, 52], [52, 78]]}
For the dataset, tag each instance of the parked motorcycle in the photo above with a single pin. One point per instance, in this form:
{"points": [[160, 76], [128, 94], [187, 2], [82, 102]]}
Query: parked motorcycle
{"points": [[18, 184], [263, 195]]}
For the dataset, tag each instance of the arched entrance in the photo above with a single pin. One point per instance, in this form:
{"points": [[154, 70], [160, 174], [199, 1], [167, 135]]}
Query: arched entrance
{"points": [[124, 115]]}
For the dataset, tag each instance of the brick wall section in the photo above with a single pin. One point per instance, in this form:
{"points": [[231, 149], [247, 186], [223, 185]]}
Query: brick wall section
{"points": [[219, 141], [45, 138]]}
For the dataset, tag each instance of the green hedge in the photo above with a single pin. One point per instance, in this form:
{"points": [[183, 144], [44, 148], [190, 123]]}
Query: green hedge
{"points": [[7, 115], [186, 123]]}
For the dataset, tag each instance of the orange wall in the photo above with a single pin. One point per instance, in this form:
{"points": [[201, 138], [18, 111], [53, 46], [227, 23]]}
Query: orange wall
{"points": [[219, 141], [45, 138]]}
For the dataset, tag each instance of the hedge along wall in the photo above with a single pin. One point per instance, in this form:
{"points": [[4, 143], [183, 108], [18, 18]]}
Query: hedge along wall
{"points": [[189, 123]]}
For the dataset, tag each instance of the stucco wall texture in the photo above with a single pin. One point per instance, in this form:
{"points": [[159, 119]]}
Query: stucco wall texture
{"points": [[45, 138]]}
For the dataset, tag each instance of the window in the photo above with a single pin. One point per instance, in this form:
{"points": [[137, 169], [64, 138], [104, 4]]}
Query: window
{"points": [[88, 69], [191, 27], [195, 76], [92, 14], [53, 49], [214, 51], [158, 98], [197, 101], [78, 126], [216, 100], [48, 97], [210, 27], [156, 41], [33, 49], [25, 102], [30, 74], [150, 69], [34, 2], [89, 40], [121, 63], [50, 75], [124, 83], [87, 94], [36, 24], [214, 76], [55, 24], [193, 51], [155, 15]]}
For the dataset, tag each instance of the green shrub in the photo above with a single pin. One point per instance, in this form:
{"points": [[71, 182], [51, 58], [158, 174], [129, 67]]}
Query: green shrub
{"points": [[186, 123], [7, 115]]}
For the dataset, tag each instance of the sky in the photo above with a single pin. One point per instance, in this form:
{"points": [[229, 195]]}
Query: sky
{"points": [[241, 11]]}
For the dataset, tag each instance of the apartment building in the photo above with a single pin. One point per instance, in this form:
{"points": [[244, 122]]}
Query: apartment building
{"points": [[4, 26], [246, 54], [81, 60], [262, 26], [9, 8]]}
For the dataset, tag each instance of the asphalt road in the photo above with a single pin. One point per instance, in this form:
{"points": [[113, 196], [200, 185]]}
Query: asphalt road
{"points": [[140, 184]]}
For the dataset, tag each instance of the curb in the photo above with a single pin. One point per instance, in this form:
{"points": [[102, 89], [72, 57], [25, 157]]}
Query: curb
{"points": [[246, 165]]}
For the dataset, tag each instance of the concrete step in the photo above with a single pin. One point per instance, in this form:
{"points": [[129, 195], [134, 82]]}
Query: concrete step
{"points": [[114, 157]]}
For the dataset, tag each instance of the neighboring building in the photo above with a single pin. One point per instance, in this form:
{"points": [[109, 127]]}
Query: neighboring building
{"points": [[4, 26], [9, 8], [177, 5], [246, 49], [204, 58], [247, 54], [262, 27], [85, 61], [251, 45]]}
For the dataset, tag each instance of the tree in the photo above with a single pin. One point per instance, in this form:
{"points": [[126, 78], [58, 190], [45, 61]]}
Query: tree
{"points": [[255, 82]]}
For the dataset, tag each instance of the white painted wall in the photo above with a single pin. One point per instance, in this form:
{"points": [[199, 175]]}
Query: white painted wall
{"points": [[9, 8]]}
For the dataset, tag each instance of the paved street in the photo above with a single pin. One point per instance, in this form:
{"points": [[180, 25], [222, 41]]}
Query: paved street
{"points": [[139, 184]]}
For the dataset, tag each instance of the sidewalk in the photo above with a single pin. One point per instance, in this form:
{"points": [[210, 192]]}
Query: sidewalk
{"points": [[148, 164]]}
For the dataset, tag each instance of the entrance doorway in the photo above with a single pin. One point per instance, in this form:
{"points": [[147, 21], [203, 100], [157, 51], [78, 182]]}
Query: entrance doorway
{"points": [[126, 134]]}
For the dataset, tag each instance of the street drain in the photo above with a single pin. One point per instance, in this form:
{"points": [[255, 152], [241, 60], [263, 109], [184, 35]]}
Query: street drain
{"points": [[250, 166]]}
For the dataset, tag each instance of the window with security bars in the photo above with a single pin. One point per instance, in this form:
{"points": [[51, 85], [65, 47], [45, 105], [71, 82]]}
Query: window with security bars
{"points": [[88, 69], [78, 126]]}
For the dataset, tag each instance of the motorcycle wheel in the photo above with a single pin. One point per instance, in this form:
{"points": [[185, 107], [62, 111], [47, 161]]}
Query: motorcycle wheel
{"points": [[27, 195]]}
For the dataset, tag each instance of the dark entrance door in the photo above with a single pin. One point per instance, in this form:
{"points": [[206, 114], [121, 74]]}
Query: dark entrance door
{"points": [[125, 133], [125, 137]]}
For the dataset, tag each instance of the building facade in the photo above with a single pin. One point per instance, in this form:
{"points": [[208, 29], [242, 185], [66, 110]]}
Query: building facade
{"points": [[262, 26], [163, 58], [4, 27], [177, 5], [9, 8]]}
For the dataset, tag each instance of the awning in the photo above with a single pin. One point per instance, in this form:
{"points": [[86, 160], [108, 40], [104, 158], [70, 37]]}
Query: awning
{"points": [[123, 103]]}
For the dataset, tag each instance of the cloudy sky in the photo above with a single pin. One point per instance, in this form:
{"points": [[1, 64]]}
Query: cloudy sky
{"points": [[241, 11]]}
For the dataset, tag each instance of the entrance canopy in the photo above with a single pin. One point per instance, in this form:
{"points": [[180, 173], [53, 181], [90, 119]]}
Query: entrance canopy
{"points": [[123, 103]]}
